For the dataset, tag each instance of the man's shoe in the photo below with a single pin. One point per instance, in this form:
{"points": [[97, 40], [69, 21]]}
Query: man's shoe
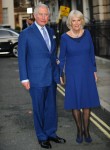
{"points": [[45, 144], [57, 139]]}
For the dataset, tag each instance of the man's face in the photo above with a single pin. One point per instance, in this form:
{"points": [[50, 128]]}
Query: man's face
{"points": [[30, 21], [42, 16]]}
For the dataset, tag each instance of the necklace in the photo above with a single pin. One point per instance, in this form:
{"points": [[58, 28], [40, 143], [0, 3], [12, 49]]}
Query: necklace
{"points": [[75, 35]]}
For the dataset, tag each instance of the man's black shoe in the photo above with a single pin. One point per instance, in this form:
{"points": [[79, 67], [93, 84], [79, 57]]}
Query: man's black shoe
{"points": [[57, 139], [45, 144]]}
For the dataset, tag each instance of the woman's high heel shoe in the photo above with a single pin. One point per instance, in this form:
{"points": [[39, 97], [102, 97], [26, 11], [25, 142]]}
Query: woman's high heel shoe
{"points": [[88, 138], [79, 139]]}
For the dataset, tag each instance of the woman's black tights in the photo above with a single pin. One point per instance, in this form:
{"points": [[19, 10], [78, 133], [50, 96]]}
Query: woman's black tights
{"points": [[86, 117], [78, 120], [82, 121]]}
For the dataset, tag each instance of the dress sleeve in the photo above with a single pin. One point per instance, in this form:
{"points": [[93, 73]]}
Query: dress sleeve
{"points": [[92, 54], [62, 55]]}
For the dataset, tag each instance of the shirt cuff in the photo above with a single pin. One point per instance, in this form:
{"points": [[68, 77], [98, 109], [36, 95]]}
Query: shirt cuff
{"points": [[25, 81]]}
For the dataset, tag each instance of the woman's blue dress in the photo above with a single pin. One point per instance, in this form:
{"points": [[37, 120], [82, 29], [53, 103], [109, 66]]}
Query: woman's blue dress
{"points": [[78, 59]]}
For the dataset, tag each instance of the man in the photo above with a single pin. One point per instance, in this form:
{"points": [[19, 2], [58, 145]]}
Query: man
{"points": [[29, 21], [39, 74]]}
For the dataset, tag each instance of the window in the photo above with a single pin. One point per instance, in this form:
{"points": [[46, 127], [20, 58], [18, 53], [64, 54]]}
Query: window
{"points": [[5, 15]]}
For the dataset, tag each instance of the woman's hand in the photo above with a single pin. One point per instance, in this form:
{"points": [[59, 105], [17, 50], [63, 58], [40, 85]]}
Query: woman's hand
{"points": [[95, 75], [62, 80], [57, 61]]}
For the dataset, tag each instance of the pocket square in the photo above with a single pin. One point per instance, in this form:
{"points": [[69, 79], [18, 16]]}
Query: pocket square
{"points": [[54, 37]]}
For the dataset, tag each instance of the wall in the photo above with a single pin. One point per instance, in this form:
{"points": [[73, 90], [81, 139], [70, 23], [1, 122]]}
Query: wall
{"points": [[86, 11], [101, 10], [53, 5], [0, 11], [9, 4]]}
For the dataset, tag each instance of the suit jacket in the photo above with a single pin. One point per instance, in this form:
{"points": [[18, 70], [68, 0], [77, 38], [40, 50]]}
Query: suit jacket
{"points": [[35, 61]]}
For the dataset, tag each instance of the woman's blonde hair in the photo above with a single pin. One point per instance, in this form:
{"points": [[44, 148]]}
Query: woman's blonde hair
{"points": [[75, 13]]}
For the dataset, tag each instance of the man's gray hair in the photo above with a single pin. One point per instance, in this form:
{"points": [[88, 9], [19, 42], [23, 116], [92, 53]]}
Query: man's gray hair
{"points": [[39, 5]]}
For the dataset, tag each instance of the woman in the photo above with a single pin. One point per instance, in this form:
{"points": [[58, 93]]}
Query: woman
{"points": [[77, 56]]}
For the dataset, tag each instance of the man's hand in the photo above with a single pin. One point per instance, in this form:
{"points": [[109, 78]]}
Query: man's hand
{"points": [[26, 85]]}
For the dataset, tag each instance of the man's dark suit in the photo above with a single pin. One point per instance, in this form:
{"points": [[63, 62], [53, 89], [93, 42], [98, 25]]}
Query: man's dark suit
{"points": [[38, 65]]}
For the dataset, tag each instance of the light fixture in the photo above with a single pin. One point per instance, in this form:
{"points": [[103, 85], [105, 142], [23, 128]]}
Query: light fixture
{"points": [[29, 10]]}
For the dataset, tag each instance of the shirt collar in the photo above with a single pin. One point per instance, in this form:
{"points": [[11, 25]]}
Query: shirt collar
{"points": [[39, 27]]}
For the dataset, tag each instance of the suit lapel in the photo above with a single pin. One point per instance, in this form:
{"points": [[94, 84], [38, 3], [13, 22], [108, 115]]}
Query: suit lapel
{"points": [[39, 35]]}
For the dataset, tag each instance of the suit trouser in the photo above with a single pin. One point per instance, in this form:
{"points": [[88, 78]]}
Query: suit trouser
{"points": [[44, 111]]}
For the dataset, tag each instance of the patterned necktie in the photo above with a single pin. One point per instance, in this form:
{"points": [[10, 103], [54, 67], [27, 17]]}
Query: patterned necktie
{"points": [[46, 38]]}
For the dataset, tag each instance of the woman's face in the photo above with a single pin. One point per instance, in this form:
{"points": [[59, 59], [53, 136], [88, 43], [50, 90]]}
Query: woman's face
{"points": [[76, 23]]}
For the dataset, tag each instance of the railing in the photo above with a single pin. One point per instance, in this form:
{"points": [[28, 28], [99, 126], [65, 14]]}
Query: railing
{"points": [[101, 38]]}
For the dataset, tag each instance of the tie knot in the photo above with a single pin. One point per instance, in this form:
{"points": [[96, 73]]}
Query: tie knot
{"points": [[44, 31], [43, 28]]}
